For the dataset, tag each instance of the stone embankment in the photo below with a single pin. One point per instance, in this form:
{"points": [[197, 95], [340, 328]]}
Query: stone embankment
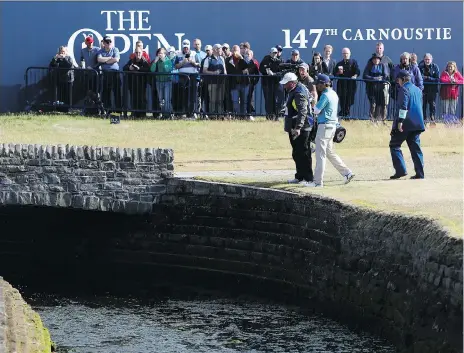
{"points": [[21, 329]]}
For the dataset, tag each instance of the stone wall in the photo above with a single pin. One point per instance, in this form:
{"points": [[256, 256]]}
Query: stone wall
{"points": [[21, 329], [125, 180], [397, 276]]}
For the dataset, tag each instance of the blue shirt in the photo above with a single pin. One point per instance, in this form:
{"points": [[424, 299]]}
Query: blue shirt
{"points": [[113, 53], [328, 105], [410, 99], [90, 56]]}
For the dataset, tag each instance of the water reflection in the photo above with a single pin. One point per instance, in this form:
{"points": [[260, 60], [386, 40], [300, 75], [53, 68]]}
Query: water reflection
{"points": [[104, 325]]}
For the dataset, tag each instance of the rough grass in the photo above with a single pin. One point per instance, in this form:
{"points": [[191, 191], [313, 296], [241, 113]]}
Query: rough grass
{"points": [[262, 145]]}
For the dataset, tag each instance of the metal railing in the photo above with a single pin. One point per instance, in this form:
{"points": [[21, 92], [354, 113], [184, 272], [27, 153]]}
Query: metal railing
{"points": [[167, 95]]}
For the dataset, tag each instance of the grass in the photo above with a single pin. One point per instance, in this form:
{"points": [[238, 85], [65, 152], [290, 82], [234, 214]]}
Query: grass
{"points": [[262, 145]]}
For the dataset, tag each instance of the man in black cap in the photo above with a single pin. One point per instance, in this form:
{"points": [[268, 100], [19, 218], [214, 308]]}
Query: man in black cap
{"points": [[407, 127], [108, 57]]}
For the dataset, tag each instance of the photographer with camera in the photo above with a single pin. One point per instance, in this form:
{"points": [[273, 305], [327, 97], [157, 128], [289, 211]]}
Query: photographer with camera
{"points": [[188, 84], [269, 67], [327, 120], [407, 127], [298, 124]]}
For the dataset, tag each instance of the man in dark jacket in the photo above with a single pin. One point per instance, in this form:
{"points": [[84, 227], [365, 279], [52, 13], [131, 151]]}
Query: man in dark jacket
{"points": [[62, 77], [407, 127], [136, 82], [269, 67], [348, 71], [431, 75], [239, 82], [298, 124]]}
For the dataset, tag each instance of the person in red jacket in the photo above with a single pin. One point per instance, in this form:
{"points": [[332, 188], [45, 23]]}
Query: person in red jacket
{"points": [[139, 44], [449, 91]]}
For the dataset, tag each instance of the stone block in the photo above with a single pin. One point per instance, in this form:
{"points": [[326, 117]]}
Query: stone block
{"points": [[56, 188], [77, 201], [112, 185], [50, 178], [110, 165], [157, 188], [126, 165], [132, 181], [106, 204], [33, 162], [24, 198], [91, 203]]}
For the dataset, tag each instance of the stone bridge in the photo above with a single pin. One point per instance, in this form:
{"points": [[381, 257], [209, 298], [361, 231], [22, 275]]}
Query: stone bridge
{"points": [[397, 276], [128, 180]]}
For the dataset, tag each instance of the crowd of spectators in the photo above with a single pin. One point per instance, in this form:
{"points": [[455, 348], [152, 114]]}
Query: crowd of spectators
{"points": [[221, 80]]}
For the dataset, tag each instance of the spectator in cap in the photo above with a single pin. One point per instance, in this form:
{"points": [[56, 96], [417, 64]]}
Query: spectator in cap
{"points": [[269, 67], [109, 57], [377, 76], [89, 54], [327, 121], [318, 66], [279, 52], [298, 125], [214, 69], [226, 51], [346, 71], [188, 84], [308, 81], [88, 60], [407, 126], [295, 59]]}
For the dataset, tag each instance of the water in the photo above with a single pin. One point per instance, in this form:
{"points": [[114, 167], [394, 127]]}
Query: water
{"points": [[114, 325]]}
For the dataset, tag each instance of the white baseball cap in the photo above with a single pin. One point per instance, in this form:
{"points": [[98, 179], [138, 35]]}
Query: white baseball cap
{"points": [[288, 77], [273, 50], [186, 43], [208, 47]]}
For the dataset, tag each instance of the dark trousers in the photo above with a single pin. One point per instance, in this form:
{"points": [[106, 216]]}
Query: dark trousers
{"points": [[188, 94], [270, 98], [154, 96], [428, 98], [413, 140], [301, 154], [346, 92], [251, 99], [138, 95], [111, 83]]}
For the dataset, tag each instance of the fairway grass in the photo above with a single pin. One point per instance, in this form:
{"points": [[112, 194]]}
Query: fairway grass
{"points": [[262, 145]]}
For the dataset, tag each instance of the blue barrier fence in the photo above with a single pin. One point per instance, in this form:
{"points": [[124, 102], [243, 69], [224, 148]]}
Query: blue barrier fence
{"points": [[170, 95]]}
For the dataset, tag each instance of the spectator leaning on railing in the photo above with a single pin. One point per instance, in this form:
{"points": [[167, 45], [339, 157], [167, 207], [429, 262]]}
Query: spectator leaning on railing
{"points": [[137, 80], [108, 57], [431, 75], [163, 65], [377, 92], [346, 70], [449, 92], [63, 79]]}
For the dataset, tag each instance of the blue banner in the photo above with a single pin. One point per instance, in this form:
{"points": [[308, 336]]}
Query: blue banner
{"points": [[33, 31]]}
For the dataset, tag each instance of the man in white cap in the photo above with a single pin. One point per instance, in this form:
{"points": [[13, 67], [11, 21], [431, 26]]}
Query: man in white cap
{"points": [[298, 124], [327, 119], [187, 66]]}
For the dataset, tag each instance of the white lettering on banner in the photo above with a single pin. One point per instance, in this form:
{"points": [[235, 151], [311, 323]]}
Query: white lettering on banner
{"points": [[135, 21], [369, 34]]}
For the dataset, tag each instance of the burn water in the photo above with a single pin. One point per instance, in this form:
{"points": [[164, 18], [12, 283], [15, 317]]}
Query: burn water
{"points": [[192, 323]]}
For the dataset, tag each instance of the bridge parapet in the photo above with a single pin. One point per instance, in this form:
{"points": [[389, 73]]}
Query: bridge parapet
{"points": [[127, 180]]}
